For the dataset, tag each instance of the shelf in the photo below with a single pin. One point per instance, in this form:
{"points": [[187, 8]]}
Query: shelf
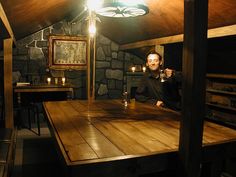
{"points": [[221, 106], [221, 76], [219, 120], [221, 92]]}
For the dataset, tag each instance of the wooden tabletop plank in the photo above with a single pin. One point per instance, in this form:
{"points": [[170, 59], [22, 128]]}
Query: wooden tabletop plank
{"points": [[80, 152], [141, 137], [64, 128], [150, 129], [104, 148], [121, 140], [224, 130], [94, 138]]}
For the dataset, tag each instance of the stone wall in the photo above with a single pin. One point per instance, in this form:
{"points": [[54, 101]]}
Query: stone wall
{"points": [[30, 58]]}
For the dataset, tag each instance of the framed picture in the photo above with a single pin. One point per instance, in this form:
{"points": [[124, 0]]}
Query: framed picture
{"points": [[68, 52]]}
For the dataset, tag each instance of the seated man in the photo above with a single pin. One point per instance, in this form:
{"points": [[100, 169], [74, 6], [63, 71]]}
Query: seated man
{"points": [[154, 89]]}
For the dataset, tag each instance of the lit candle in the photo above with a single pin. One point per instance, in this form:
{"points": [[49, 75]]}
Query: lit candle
{"points": [[49, 80], [63, 80], [144, 69], [133, 69]]}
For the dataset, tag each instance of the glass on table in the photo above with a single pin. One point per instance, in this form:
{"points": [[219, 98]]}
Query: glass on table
{"points": [[162, 75]]}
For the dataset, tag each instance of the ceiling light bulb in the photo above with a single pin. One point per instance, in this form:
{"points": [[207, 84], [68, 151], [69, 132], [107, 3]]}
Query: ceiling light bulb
{"points": [[93, 5]]}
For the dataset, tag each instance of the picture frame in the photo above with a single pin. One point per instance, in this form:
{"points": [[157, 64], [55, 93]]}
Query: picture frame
{"points": [[68, 52]]}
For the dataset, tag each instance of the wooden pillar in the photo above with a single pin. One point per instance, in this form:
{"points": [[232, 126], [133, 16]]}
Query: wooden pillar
{"points": [[160, 50], [193, 101], [91, 58], [8, 91]]}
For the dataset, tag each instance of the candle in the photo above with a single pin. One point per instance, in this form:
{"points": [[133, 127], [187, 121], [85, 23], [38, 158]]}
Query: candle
{"points": [[63, 80], [49, 80], [56, 80], [133, 69], [144, 69]]}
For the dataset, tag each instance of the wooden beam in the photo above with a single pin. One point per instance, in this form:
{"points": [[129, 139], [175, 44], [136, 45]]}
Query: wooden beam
{"points": [[193, 100], [8, 91], [212, 33], [6, 23], [160, 49]]}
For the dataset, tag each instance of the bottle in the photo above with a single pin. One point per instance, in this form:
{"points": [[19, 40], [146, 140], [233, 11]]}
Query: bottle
{"points": [[125, 99]]}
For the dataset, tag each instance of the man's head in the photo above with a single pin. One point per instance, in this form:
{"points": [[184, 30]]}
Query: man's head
{"points": [[154, 61]]}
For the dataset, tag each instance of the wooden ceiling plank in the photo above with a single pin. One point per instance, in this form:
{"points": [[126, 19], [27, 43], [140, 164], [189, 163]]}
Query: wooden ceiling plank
{"points": [[6, 23], [212, 33]]}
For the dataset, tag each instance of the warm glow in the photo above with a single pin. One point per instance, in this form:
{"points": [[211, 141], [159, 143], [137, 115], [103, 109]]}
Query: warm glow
{"points": [[92, 29], [133, 69], [144, 69], [49, 80], [63, 80], [94, 4]]}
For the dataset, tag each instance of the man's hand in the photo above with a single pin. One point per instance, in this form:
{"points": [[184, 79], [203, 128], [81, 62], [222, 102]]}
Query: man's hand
{"points": [[169, 72], [159, 104]]}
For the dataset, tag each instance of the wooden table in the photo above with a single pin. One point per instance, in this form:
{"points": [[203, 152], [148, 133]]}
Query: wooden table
{"points": [[105, 138], [43, 88]]}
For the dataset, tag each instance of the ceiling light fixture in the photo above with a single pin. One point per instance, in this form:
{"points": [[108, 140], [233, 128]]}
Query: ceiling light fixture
{"points": [[122, 8]]}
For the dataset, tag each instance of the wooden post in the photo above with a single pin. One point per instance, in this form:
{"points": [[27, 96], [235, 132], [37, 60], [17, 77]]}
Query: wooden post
{"points": [[193, 101], [91, 58], [160, 50], [8, 91]]}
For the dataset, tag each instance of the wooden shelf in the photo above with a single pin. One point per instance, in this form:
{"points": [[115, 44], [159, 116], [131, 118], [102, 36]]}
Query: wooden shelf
{"points": [[221, 92], [221, 106], [221, 76]]}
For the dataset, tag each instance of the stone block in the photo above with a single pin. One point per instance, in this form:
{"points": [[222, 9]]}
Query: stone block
{"points": [[46, 33], [114, 47], [102, 64], [120, 55], [100, 74], [22, 50], [114, 55], [35, 53], [119, 85], [114, 74], [42, 44], [102, 90], [104, 40], [108, 58], [116, 64], [107, 50], [111, 84], [100, 54], [115, 94]]}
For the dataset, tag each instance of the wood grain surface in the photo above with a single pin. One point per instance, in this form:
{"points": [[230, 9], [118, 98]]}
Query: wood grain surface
{"points": [[106, 130]]}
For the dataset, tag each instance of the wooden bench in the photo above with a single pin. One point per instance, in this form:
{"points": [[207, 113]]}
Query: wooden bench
{"points": [[7, 151]]}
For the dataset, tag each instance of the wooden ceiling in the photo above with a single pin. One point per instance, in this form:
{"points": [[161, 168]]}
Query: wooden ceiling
{"points": [[164, 19]]}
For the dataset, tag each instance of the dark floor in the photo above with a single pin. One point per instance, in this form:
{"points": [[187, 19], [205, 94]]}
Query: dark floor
{"points": [[36, 155]]}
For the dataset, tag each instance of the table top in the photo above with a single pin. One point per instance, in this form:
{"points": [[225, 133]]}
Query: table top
{"points": [[43, 88], [106, 130]]}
